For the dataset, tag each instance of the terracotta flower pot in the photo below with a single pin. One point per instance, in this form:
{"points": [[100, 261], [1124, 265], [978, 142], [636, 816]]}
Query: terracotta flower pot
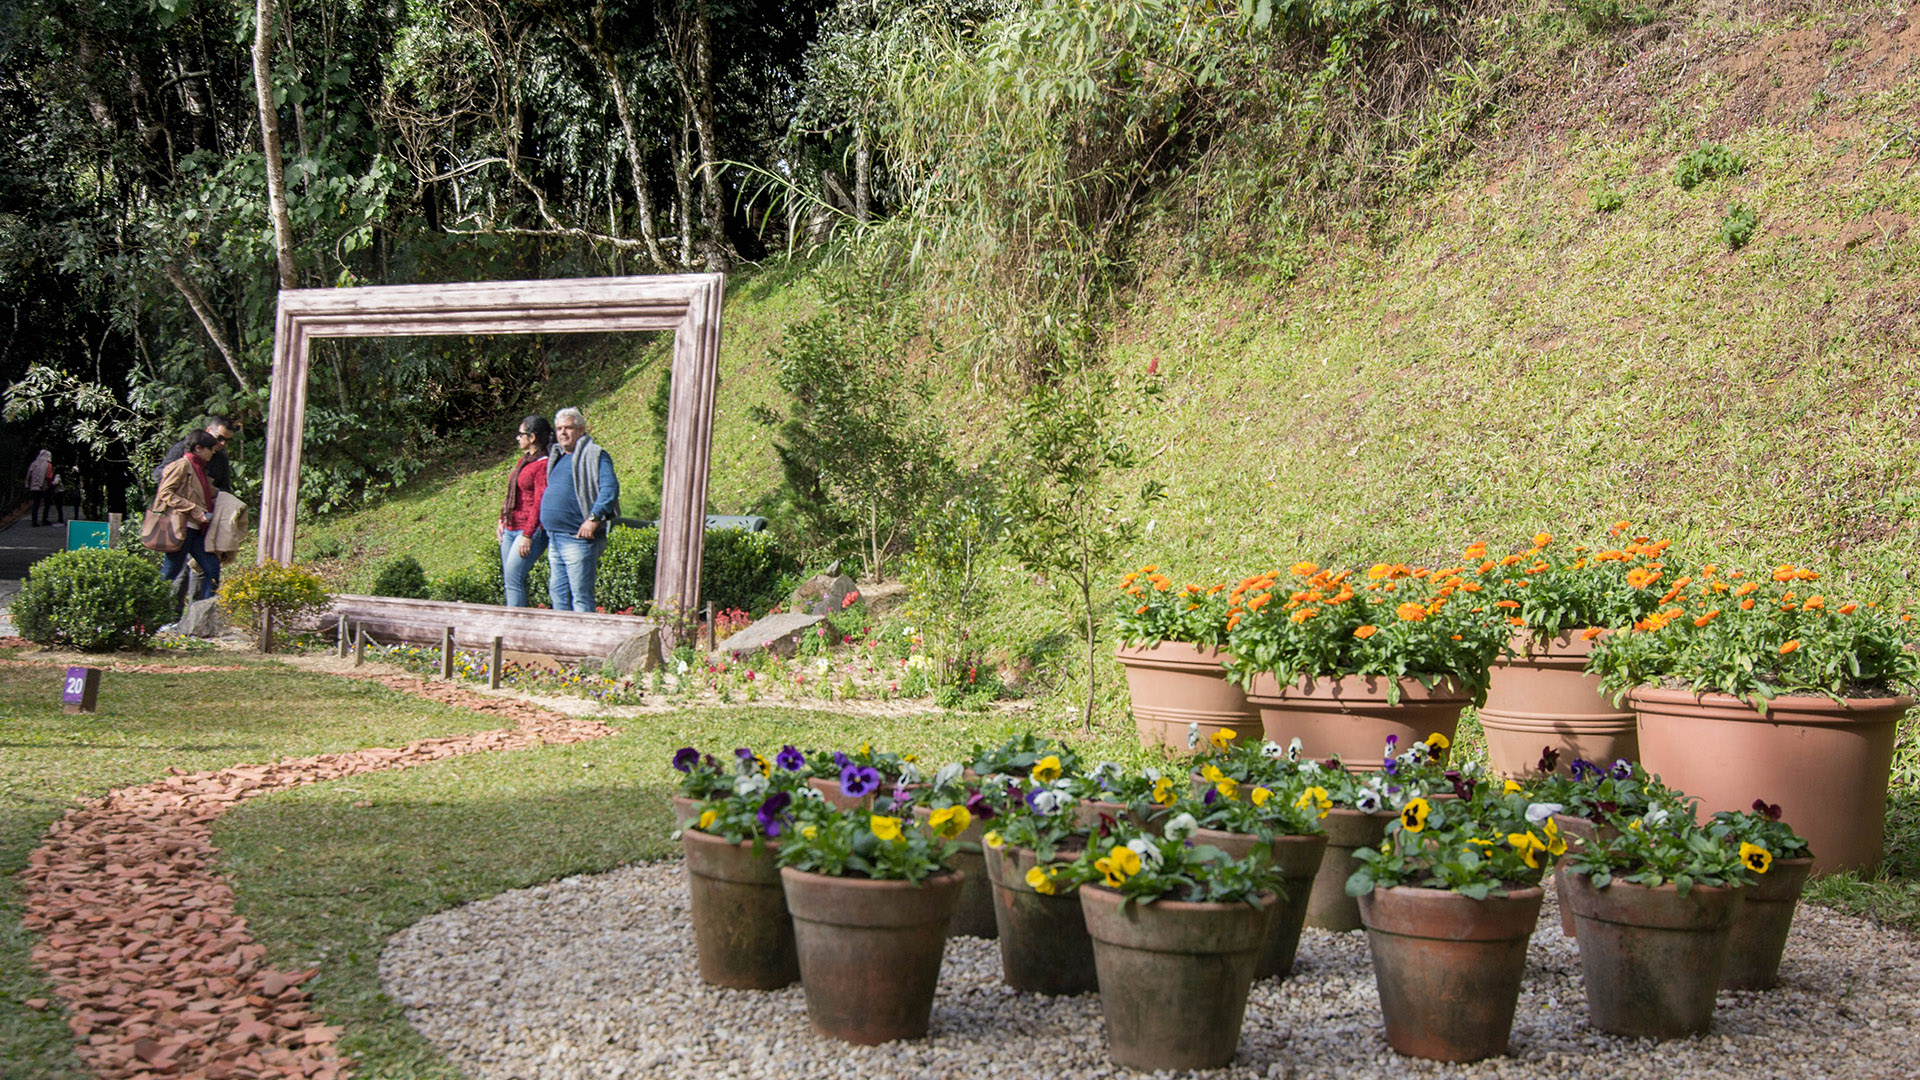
{"points": [[1174, 977], [1448, 967], [1651, 958], [1174, 685], [830, 789], [1544, 697], [870, 951], [1825, 763], [1588, 833], [685, 811], [741, 930], [973, 912], [1087, 812], [1760, 933], [1328, 906], [1297, 859], [1044, 947], [1349, 716]]}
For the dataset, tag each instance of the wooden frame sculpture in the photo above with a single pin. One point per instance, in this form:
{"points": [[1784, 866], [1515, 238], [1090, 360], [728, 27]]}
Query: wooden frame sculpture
{"points": [[687, 304]]}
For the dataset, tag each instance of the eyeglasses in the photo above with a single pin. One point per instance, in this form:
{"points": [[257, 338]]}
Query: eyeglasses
{"points": [[526, 434]]}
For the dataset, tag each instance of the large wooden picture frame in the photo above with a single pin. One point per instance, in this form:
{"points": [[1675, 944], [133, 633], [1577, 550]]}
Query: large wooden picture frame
{"points": [[687, 304]]}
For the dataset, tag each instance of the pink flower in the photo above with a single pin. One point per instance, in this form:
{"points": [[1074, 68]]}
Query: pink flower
{"points": [[1153, 366]]}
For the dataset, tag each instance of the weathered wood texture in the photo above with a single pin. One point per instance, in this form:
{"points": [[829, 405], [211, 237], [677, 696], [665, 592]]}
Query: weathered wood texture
{"points": [[569, 635], [687, 304]]}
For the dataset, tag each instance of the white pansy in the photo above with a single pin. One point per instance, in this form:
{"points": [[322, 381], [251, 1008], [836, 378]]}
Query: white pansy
{"points": [[1152, 774], [1109, 769], [1148, 851], [1367, 802], [1309, 766], [1293, 749], [1193, 736], [910, 773], [750, 784], [1179, 827], [1050, 801], [1416, 754], [1655, 817], [811, 792], [1271, 749], [948, 774], [1541, 811]]}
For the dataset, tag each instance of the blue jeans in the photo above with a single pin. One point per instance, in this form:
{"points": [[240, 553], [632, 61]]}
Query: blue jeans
{"points": [[175, 562], [513, 568], [574, 564]]}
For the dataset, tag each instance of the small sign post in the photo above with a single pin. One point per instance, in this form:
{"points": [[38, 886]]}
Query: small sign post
{"points": [[80, 692]]}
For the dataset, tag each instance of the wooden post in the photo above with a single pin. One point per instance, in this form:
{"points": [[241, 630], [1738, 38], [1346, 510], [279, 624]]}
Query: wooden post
{"points": [[359, 645], [341, 645], [493, 666], [711, 644], [266, 631], [446, 653]]}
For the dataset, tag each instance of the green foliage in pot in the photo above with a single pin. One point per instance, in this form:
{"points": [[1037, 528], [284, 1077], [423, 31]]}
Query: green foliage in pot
{"points": [[1759, 637], [1659, 848], [1046, 826], [1487, 843], [1759, 835], [92, 600], [1394, 620], [1144, 868], [1018, 755], [1585, 790], [1285, 805], [1153, 611], [1550, 587], [878, 846]]}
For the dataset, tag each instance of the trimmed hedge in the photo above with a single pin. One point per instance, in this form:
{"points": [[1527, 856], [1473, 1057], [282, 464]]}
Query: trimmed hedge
{"points": [[92, 600]]}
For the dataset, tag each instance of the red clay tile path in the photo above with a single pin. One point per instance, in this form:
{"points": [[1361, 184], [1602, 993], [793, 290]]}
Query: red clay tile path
{"points": [[138, 933]]}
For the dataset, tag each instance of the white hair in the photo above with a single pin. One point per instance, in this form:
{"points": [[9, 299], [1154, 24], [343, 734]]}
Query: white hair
{"points": [[570, 413]]}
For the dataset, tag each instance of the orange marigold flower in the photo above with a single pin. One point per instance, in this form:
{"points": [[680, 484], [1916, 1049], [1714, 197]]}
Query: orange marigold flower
{"points": [[1789, 646], [1304, 614], [1619, 527], [1784, 572], [1365, 632], [1848, 609], [1509, 560], [1746, 588], [1538, 568], [1379, 571], [1456, 637], [1233, 620], [1542, 539], [1258, 602], [1470, 586], [1707, 618], [1161, 582], [1475, 550], [1642, 577], [1304, 568], [1411, 612], [1517, 621], [1487, 566], [1506, 603], [1592, 632], [1814, 603], [1141, 610], [1747, 604]]}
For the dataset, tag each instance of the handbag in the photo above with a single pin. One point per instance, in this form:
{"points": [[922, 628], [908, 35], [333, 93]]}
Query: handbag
{"points": [[158, 534]]}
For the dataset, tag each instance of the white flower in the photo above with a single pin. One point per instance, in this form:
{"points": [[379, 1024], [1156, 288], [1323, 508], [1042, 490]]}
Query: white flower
{"points": [[1655, 817], [948, 774], [822, 664], [1193, 735], [1152, 774], [1367, 802], [1416, 754], [1179, 827], [1050, 800], [749, 784], [1271, 749], [909, 773], [682, 669], [1293, 749], [811, 792], [1148, 851], [1541, 811], [1309, 766]]}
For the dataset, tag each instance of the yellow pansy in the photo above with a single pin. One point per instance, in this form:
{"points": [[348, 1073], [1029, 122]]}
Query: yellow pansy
{"points": [[1529, 847], [1437, 742], [1413, 816], [1047, 769], [1510, 787], [1259, 796], [1223, 738], [1120, 864], [886, 828], [1315, 798], [993, 840], [707, 819], [950, 821], [1163, 793], [809, 831], [1757, 858], [1556, 844], [1228, 788], [1212, 774], [1040, 881]]}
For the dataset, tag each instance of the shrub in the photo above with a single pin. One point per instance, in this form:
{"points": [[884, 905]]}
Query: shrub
{"points": [[626, 569], [480, 582], [1737, 227], [93, 600], [401, 576], [741, 569], [289, 592], [1710, 162]]}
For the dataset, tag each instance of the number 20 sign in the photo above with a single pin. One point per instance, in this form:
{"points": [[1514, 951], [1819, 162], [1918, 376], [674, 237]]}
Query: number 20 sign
{"points": [[80, 692]]}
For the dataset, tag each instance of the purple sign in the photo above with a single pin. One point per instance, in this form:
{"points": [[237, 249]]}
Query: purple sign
{"points": [[75, 691]]}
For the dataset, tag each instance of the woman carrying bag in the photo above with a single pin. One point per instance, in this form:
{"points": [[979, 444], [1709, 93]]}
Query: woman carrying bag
{"points": [[186, 497]]}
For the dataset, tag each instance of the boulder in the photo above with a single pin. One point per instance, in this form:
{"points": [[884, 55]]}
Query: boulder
{"points": [[814, 588], [835, 597], [202, 618], [639, 653], [775, 633]]}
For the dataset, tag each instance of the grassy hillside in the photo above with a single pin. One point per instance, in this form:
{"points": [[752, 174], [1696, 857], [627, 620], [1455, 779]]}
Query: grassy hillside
{"points": [[1503, 354]]}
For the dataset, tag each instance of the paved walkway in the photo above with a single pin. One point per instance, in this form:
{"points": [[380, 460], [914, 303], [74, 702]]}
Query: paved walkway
{"points": [[21, 545]]}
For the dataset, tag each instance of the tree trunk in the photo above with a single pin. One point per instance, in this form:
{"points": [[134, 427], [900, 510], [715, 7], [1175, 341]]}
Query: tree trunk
{"points": [[197, 300], [635, 163], [270, 145], [712, 206], [683, 184], [862, 174]]}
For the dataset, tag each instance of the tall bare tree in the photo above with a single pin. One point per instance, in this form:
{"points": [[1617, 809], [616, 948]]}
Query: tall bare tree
{"points": [[270, 143]]}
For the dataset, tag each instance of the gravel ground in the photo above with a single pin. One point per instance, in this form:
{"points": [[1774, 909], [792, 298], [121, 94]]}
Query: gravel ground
{"points": [[593, 977]]}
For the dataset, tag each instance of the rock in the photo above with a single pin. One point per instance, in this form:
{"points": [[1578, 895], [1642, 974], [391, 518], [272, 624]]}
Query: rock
{"points": [[641, 652], [814, 587], [203, 619], [774, 633], [835, 597]]}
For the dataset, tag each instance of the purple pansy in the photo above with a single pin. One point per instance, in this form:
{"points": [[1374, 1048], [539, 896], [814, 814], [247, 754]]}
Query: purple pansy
{"points": [[685, 758], [769, 813], [1391, 767], [841, 761], [790, 758], [1549, 759], [1581, 767], [979, 807], [859, 781], [743, 754], [1622, 769]]}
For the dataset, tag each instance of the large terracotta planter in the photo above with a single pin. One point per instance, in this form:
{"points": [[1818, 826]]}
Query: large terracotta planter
{"points": [[1174, 685], [973, 912], [741, 931], [870, 951], [685, 811], [1297, 859], [1349, 716], [1760, 933], [1825, 763], [1328, 906], [1543, 697], [1448, 968], [830, 790], [1044, 947], [1174, 977], [1651, 958]]}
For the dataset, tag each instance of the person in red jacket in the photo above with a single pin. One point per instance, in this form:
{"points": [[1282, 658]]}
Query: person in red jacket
{"points": [[521, 538]]}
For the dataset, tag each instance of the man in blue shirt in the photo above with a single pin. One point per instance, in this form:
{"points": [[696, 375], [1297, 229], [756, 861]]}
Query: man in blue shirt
{"points": [[582, 497]]}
